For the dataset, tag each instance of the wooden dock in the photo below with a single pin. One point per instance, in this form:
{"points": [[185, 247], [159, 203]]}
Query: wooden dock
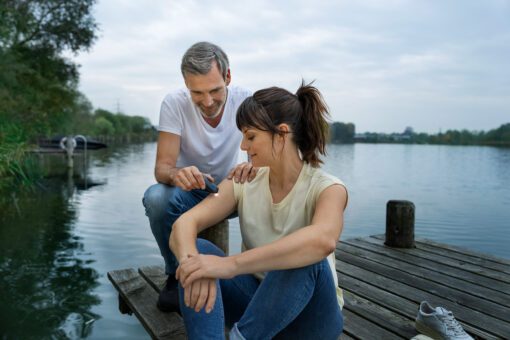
{"points": [[383, 288]]}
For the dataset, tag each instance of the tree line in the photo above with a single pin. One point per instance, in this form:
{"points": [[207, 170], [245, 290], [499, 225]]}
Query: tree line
{"points": [[39, 86], [344, 133], [495, 137]]}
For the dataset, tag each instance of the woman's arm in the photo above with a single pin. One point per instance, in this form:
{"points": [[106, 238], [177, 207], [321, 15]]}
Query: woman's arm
{"points": [[210, 211], [303, 247]]}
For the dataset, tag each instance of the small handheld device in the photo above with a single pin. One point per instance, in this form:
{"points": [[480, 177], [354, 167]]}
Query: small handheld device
{"points": [[210, 186]]}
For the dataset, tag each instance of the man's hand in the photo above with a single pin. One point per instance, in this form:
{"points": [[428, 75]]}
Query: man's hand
{"points": [[243, 171], [190, 178]]}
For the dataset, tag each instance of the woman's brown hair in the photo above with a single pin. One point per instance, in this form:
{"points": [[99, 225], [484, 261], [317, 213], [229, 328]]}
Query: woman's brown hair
{"points": [[304, 112]]}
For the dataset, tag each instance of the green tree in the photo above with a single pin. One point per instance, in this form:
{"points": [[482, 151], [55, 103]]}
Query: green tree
{"points": [[341, 132], [37, 84], [140, 124], [103, 127], [55, 24]]}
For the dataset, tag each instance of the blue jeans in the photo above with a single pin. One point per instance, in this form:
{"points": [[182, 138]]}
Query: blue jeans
{"points": [[164, 204], [296, 303]]}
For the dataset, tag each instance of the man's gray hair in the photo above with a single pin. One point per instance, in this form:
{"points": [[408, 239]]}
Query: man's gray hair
{"points": [[199, 57]]}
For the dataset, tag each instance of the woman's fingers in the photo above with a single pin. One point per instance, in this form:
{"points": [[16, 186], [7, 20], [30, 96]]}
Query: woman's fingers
{"points": [[212, 295], [204, 292], [195, 293], [197, 274], [187, 296], [185, 275]]}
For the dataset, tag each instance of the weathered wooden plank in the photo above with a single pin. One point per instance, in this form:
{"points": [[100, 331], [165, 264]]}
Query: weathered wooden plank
{"points": [[376, 245], [398, 296], [428, 274], [345, 336], [379, 315], [476, 260], [465, 251], [154, 275], [487, 307], [497, 275], [360, 328], [382, 297], [141, 298]]}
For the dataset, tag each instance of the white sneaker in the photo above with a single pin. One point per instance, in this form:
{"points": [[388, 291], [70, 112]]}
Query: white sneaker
{"points": [[439, 323]]}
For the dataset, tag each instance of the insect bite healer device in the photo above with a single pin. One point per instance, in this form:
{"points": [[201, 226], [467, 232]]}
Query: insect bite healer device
{"points": [[210, 186]]}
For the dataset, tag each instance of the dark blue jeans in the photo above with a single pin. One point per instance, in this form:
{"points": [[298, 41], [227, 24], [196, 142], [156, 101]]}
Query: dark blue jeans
{"points": [[164, 204], [296, 303]]}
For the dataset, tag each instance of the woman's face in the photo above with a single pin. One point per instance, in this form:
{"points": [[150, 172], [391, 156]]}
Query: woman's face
{"points": [[259, 146]]}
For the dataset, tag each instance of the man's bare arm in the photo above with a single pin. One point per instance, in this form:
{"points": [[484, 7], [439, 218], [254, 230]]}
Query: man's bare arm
{"points": [[166, 170]]}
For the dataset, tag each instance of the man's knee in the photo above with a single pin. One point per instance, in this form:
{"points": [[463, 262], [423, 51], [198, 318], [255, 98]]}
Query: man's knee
{"points": [[157, 198]]}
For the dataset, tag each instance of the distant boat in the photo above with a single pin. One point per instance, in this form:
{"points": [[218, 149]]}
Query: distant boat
{"points": [[54, 142]]}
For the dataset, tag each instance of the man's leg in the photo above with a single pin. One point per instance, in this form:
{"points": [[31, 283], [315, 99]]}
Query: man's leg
{"points": [[163, 206], [296, 303]]}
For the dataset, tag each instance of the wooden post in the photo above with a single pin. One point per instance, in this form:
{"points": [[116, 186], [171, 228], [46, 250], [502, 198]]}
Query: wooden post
{"points": [[217, 234], [400, 224], [69, 150]]}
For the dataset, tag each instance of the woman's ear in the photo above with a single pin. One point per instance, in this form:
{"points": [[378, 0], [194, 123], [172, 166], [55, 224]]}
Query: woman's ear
{"points": [[284, 130]]}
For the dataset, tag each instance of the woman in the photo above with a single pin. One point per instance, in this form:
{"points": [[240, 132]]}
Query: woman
{"points": [[283, 285]]}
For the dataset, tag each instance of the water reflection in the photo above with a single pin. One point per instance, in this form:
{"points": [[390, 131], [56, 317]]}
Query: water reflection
{"points": [[46, 282], [51, 285]]}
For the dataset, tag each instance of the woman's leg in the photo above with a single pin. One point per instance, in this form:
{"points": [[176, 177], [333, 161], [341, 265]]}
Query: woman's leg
{"points": [[230, 304], [296, 303]]}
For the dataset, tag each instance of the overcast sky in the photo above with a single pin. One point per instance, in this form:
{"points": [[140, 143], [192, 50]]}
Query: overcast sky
{"points": [[382, 65]]}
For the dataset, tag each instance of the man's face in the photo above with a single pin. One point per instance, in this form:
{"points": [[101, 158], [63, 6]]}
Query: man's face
{"points": [[208, 91]]}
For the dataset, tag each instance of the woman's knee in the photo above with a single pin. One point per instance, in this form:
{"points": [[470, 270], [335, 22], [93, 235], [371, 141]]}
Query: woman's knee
{"points": [[208, 248]]}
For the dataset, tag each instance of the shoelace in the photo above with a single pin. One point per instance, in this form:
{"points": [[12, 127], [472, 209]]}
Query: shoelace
{"points": [[452, 325]]}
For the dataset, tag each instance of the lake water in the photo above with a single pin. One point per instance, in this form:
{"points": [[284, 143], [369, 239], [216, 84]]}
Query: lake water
{"points": [[58, 243]]}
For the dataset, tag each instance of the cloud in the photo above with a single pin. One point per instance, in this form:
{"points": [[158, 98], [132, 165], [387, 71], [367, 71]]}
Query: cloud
{"points": [[381, 65]]}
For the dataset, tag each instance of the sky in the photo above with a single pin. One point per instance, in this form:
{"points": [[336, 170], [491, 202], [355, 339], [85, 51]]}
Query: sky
{"points": [[383, 65]]}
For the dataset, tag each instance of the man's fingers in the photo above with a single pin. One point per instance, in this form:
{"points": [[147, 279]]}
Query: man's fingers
{"points": [[212, 296], [182, 181], [253, 173], [238, 172], [246, 171], [209, 177], [197, 176], [231, 173], [190, 176]]}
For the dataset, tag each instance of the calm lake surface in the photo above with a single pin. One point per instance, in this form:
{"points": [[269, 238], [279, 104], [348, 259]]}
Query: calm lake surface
{"points": [[58, 242]]}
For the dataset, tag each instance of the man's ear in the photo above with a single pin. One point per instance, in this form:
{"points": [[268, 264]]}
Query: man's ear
{"points": [[228, 78]]}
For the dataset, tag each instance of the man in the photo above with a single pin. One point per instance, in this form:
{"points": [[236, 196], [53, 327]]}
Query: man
{"points": [[197, 135]]}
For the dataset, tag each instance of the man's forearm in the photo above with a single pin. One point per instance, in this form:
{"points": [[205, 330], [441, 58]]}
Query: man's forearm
{"points": [[165, 174]]}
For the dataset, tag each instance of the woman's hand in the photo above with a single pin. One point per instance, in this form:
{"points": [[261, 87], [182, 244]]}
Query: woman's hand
{"points": [[199, 293], [200, 266]]}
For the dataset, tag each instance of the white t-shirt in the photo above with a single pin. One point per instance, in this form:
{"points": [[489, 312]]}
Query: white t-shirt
{"points": [[263, 222], [211, 150]]}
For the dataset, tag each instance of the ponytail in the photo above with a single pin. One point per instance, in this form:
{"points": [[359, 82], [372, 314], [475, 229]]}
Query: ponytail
{"points": [[312, 131], [305, 113]]}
